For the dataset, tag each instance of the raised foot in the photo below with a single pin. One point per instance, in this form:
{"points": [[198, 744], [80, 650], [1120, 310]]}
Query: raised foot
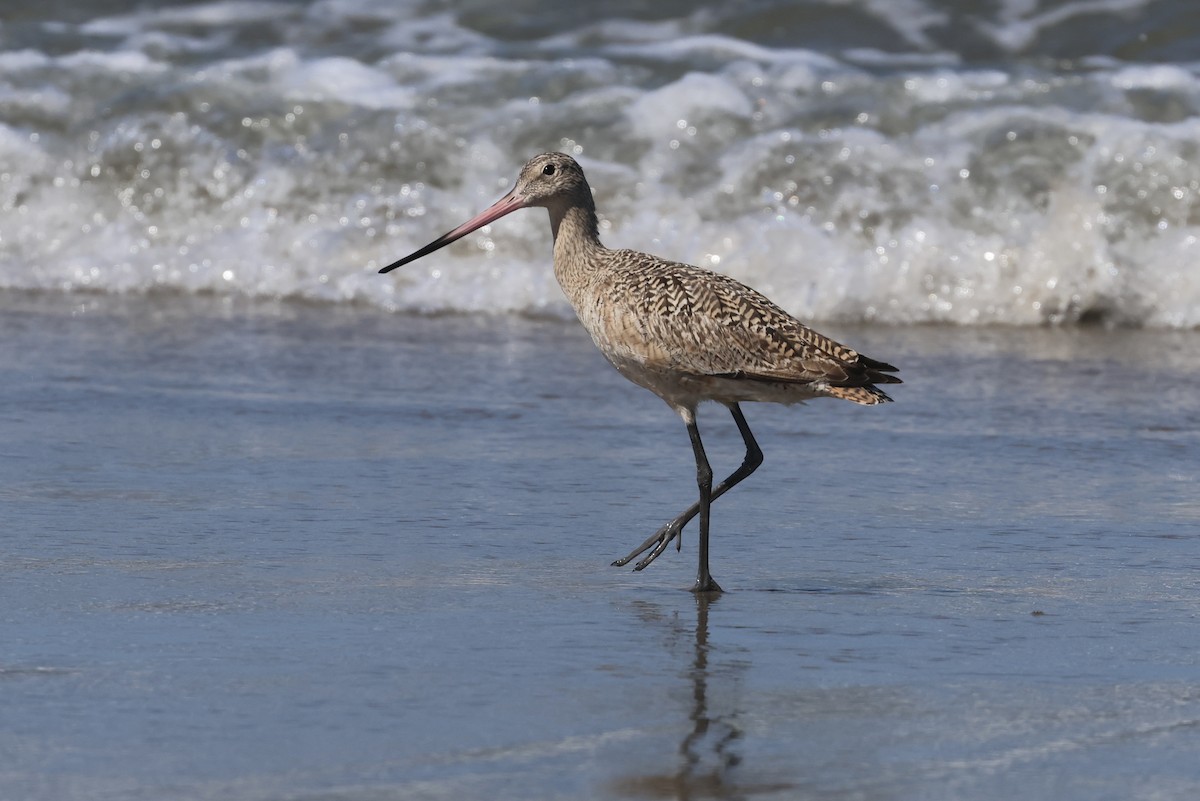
{"points": [[656, 544]]}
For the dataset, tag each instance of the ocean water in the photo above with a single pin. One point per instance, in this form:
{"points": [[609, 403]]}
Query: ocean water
{"points": [[1020, 162], [273, 526]]}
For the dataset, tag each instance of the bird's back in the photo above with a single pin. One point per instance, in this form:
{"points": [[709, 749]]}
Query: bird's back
{"points": [[683, 330]]}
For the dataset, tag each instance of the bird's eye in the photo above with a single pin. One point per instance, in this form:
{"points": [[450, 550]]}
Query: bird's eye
{"points": [[548, 169]]}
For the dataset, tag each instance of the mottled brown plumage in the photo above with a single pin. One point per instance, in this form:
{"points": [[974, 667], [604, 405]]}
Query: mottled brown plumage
{"points": [[685, 333]]}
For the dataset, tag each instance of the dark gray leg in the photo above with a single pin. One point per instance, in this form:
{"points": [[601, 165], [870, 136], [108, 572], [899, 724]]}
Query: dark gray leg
{"points": [[662, 538], [704, 475]]}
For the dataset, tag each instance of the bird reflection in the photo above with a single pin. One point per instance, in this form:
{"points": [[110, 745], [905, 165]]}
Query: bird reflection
{"points": [[708, 754]]}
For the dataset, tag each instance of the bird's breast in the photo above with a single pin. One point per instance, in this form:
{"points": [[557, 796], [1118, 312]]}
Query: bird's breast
{"points": [[624, 332]]}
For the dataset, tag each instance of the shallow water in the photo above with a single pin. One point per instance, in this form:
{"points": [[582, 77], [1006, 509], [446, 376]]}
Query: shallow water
{"points": [[274, 551]]}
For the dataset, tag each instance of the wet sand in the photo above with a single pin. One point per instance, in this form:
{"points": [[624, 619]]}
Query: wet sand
{"points": [[277, 551]]}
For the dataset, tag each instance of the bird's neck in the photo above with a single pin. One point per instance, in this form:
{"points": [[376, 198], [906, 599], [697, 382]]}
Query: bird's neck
{"points": [[576, 240], [575, 223]]}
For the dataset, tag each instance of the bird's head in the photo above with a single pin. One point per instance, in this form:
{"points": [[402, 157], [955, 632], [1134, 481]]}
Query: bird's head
{"points": [[549, 180]]}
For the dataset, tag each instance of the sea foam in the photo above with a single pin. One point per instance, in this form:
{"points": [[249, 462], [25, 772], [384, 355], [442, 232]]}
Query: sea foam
{"points": [[162, 150]]}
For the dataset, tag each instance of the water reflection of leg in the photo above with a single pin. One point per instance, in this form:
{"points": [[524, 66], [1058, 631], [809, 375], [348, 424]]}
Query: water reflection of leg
{"points": [[708, 751], [712, 739]]}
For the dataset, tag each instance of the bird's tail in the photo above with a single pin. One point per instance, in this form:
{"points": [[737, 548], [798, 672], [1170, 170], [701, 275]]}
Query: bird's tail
{"points": [[878, 371], [863, 390], [867, 396]]}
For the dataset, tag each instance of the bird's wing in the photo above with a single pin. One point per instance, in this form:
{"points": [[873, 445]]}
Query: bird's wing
{"points": [[703, 323], [687, 319]]}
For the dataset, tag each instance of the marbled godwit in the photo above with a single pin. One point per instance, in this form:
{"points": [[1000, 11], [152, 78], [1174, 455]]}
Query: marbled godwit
{"points": [[682, 332]]}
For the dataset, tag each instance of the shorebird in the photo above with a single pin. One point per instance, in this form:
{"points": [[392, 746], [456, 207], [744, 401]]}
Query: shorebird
{"points": [[685, 333]]}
